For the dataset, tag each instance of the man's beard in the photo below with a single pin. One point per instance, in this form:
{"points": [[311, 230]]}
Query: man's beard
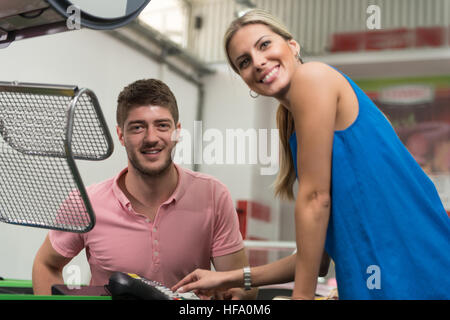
{"points": [[150, 172]]}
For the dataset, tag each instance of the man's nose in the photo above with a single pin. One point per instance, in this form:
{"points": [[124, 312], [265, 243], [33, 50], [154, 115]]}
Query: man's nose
{"points": [[151, 134]]}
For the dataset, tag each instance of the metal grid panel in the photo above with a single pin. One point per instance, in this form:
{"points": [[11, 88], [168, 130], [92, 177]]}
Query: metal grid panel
{"points": [[41, 133]]}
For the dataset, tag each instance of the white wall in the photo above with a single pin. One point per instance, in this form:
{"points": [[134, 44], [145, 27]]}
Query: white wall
{"points": [[89, 59], [228, 105]]}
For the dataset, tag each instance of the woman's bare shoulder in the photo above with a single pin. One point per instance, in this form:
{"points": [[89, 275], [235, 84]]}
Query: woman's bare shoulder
{"points": [[313, 78], [316, 70]]}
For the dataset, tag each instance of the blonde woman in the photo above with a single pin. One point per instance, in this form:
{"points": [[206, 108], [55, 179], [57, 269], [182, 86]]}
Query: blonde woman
{"points": [[361, 196]]}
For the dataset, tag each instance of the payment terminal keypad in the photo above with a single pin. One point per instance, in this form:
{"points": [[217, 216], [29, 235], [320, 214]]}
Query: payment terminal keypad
{"points": [[131, 286]]}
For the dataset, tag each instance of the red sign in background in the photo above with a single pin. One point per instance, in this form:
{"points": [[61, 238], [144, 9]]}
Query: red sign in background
{"points": [[400, 38]]}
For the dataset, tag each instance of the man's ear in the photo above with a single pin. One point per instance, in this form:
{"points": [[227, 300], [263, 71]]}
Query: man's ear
{"points": [[176, 133], [120, 135]]}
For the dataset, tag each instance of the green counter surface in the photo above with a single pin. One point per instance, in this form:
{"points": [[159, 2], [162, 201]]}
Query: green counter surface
{"points": [[15, 284]]}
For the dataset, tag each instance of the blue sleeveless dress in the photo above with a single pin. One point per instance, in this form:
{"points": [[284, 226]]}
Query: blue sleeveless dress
{"points": [[388, 233]]}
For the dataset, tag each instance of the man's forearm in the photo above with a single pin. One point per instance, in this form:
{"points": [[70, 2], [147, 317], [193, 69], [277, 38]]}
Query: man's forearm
{"points": [[44, 277]]}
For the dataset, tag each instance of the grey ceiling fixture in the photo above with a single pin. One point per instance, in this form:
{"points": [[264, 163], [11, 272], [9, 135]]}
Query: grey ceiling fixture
{"points": [[21, 19]]}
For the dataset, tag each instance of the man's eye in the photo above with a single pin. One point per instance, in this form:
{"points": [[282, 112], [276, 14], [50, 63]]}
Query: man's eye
{"points": [[136, 128]]}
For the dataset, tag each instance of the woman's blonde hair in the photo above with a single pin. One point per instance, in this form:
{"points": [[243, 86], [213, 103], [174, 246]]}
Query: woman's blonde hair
{"points": [[285, 123]]}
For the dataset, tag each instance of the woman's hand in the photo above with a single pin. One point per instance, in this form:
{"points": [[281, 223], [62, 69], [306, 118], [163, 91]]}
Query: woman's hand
{"points": [[204, 283]]}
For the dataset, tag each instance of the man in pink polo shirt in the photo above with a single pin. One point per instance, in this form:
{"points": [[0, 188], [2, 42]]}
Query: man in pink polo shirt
{"points": [[154, 218]]}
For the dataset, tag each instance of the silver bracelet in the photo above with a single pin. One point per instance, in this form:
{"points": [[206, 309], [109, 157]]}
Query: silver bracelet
{"points": [[247, 278]]}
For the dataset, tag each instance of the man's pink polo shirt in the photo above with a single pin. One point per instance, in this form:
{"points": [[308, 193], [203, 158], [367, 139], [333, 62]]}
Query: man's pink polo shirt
{"points": [[196, 223]]}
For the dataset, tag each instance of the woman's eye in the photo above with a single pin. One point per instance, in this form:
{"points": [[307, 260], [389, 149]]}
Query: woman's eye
{"points": [[243, 63], [264, 44]]}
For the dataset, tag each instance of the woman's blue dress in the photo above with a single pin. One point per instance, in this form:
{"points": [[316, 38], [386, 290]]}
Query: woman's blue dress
{"points": [[388, 233]]}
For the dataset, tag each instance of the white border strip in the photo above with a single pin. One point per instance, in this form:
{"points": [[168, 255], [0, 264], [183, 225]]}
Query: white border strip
{"points": [[270, 244]]}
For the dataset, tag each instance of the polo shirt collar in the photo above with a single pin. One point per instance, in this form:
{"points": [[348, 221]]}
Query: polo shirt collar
{"points": [[180, 189], [118, 192]]}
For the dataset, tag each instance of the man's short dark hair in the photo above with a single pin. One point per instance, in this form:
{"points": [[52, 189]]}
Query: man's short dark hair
{"points": [[145, 92]]}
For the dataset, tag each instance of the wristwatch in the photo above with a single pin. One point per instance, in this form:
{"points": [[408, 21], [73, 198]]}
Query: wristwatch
{"points": [[247, 278]]}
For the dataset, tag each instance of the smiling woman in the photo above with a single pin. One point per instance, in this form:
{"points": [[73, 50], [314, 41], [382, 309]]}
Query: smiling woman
{"points": [[273, 58], [362, 198], [275, 33]]}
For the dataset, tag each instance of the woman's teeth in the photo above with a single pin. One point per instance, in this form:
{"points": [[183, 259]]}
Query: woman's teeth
{"points": [[269, 75]]}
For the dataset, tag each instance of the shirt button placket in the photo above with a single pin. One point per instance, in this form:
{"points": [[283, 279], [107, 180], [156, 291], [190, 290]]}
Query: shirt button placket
{"points": [[156, 252]]}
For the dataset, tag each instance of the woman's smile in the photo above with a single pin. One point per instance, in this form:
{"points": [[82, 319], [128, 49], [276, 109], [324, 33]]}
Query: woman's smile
{"points": [[270, 75], [265, 60]]}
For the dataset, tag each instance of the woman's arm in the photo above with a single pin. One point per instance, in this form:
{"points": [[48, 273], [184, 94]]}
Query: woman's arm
{"points": [[314, 96], [236, 260], [280, 271]]}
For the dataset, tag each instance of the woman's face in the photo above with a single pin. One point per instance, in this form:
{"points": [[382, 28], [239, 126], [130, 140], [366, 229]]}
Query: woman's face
{"points": [[264, 59]]}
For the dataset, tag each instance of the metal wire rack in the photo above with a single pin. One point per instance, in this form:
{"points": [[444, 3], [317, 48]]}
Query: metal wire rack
{"points": [[43, 130]]}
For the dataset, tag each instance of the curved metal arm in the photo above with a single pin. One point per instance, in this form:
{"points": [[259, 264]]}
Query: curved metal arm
{"points": [[101, 123], [95, 22]]}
